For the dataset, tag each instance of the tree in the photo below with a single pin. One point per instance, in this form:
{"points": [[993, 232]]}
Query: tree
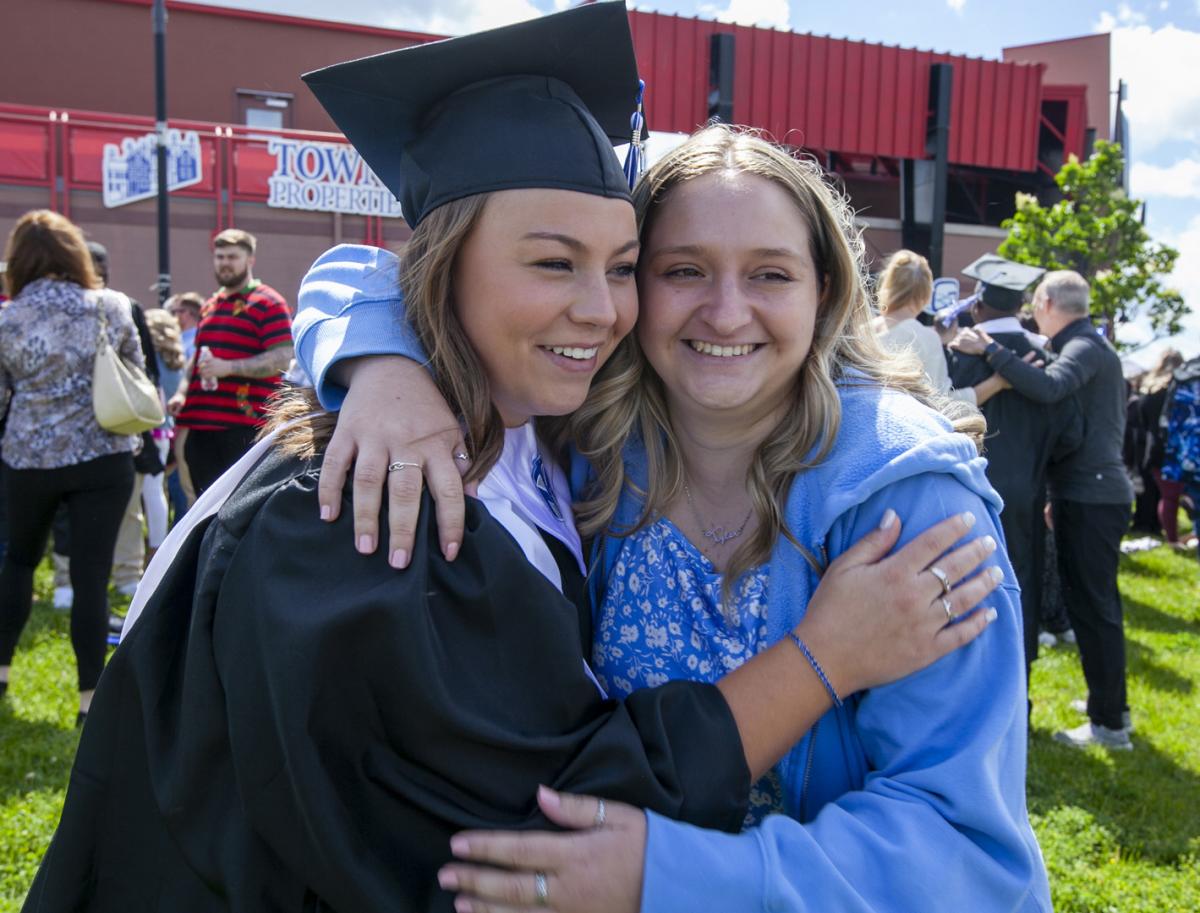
{"points": [[1095, 230]]}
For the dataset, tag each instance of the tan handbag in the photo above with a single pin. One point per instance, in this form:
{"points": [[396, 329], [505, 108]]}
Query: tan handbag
{"points": [[123, 397]]}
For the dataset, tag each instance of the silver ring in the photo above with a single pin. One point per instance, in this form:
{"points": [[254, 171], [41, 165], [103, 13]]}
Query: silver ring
{"points": [[541, 889], [400, 464], [601, 814], [949, 610], [462, 456], [941, 578]]}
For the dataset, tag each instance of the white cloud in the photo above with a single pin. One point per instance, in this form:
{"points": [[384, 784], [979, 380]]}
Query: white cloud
{"points": [[768, 13], [1185, 278], [956, 5], [444, 17], [1124, 16], [1160, 105], [458, 17], [1181, 179]]}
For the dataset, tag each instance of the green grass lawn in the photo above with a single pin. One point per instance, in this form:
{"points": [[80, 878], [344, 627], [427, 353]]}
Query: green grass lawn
{"points": [[1120, 832]]}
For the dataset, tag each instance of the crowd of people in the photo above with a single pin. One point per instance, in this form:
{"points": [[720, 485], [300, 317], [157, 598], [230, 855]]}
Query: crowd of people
{"points": [[748, 590], [108, 499]]}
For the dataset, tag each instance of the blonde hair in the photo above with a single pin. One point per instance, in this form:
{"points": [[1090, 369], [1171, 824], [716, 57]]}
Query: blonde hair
{"points": [[166, 336], [1159, 377], [906, 280], [627, 400], [426, 282]]}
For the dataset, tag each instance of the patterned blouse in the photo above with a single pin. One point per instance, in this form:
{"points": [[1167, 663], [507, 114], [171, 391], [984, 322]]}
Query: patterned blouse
{"points": [[47, 352], [662, 619]]}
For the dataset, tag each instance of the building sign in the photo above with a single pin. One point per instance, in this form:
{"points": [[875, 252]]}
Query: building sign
{"points": [[130, 171], [326, 177]]}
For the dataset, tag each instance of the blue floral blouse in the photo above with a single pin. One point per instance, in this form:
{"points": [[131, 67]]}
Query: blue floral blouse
{"points": [[662, 619]]}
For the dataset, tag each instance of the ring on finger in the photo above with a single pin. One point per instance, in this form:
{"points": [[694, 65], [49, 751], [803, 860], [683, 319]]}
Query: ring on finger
{"points": [[950, 616], [462, 456], [601, 814], [401, 464], [541, 889], [941, 578]]}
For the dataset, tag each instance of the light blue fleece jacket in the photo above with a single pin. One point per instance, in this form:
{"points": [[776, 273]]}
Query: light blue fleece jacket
{"points": [[909, 798]]}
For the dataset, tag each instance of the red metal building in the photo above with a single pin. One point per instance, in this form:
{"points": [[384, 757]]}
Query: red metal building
{"points": [[76, 77]]}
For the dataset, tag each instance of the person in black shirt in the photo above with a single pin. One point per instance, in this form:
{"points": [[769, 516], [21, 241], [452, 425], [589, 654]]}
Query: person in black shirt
{"points": [[1090, 491], [1024, 437]]}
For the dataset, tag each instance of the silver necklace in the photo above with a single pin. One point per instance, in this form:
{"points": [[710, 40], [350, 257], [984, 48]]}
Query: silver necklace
{"points": [[718, 534]]}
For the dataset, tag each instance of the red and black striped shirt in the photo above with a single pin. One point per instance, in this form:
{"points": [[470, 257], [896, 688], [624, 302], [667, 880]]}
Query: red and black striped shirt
{"points": [[236, 325]]}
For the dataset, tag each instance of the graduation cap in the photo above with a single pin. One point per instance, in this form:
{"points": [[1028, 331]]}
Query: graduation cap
{"points": [[537, 104], [1004, 282]]}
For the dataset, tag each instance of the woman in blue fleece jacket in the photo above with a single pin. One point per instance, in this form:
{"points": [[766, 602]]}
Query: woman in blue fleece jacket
{"points": [[778, 436]]}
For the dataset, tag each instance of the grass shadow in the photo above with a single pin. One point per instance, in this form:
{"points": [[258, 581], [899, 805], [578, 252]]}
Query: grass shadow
{"points": [[1140, 663], [37, 754], [1139, 614], [1143, 798], [1151, 566]]}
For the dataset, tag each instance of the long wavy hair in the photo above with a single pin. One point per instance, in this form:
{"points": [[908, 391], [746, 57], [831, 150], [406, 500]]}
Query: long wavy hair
{"points": [[627, 400], [427, 283]]}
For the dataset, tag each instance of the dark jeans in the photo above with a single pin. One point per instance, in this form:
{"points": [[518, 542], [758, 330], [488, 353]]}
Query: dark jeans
{"points": [[210, 453], [1088, 538], [95, 493]]}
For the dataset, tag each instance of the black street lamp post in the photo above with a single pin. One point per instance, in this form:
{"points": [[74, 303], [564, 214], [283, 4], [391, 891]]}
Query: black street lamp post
{"points": [[160, 126]]}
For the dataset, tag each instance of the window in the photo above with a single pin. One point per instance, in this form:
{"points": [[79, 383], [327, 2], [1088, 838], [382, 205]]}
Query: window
{"points": [[269, 110]]}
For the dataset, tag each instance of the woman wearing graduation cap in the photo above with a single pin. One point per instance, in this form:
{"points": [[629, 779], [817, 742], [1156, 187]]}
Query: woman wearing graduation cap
{"points": [[754, 432], [289, 723]]}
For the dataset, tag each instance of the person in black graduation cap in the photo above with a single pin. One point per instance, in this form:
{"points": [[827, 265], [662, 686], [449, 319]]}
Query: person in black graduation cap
{"points": [[1024, 437], [289, 723]]}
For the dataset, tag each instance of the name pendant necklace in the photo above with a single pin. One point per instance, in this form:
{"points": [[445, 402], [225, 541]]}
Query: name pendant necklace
{"points": [[719, 534]]}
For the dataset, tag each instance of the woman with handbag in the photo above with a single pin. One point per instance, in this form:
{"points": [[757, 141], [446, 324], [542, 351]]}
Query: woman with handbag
{"points": [[59, 335]]}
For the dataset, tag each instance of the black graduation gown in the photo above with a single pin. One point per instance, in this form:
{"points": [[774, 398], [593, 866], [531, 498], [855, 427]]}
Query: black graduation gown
{"points": [[1023, 438], [293, 726]]}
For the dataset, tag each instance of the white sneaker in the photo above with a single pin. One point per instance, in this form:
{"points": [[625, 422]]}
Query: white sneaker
{"points": [[63, 597], [1067, 636], [1047, 640], [1093, 734], [1079, 705]]}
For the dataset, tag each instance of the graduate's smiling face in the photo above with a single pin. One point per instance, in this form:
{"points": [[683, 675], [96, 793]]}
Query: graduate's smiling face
{"points": [[544, 289], [730, 296]]}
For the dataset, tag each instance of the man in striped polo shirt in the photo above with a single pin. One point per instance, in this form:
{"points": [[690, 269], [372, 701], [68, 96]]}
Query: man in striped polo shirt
{"points": [[243, 343]]}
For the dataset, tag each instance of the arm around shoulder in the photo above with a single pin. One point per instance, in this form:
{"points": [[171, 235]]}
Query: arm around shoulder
{"points": [[1073, 368], [350, 306]]}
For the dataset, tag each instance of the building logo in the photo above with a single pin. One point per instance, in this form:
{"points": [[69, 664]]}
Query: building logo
{"points": [[326, 177], [130, 171]]}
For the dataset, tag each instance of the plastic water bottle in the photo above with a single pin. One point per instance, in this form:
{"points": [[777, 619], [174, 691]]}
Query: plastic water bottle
{"points": [[208, 384]]}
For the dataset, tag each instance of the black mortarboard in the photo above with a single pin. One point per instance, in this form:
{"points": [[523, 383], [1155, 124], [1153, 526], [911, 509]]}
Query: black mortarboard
{"points": [[1004, 282], [537, 104]]}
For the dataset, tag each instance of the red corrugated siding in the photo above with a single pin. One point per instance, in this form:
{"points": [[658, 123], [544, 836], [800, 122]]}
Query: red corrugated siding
{"points": [[840, 95], [1077, 114]]}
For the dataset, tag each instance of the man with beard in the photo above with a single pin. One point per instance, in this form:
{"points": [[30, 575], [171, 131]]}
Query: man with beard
{"points": [[243, 343]]}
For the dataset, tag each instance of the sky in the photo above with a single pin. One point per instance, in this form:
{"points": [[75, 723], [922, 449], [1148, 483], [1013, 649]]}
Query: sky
{"points": [[1156, 47]]}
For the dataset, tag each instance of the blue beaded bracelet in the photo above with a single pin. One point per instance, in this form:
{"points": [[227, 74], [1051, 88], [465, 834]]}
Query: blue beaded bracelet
{"points": [[812, 661]]}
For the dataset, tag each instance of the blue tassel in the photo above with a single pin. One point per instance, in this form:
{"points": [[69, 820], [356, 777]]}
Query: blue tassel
{"points": [[636, 159]]}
